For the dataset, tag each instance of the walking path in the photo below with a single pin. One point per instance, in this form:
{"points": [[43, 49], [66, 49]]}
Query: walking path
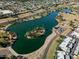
{"points": [[7, 26], [52, 49], [12, 51], [40, 52]]}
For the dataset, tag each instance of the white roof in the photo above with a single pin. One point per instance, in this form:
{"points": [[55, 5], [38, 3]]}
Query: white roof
{"points": [[77, 30], [67, 56], [5, 11], [64, 44], [60, 55], [75, 33], [71, 44], [77, 50]]}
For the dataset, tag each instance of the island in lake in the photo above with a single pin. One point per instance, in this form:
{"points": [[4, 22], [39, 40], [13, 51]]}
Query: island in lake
{"points": [[35, 33]]}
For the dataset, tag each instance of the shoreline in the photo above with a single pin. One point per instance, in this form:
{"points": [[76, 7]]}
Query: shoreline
{"points": [[30, 54], [40, 50], [7, 26]]}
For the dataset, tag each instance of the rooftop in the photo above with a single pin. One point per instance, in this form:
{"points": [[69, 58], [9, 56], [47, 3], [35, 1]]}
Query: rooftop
{"points": [[60, 55], [64, 44], [5, 11]]}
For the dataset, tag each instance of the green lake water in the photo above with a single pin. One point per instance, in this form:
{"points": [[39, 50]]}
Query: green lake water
{"points": [[24, 45]]}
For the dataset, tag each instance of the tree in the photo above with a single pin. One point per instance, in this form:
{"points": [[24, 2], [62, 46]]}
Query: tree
{"points": [[71, 23], [13, 57], [62, 36]]}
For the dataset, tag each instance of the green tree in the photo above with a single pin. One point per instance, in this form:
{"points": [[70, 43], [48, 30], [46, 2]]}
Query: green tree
{"points": [[13, 57]]}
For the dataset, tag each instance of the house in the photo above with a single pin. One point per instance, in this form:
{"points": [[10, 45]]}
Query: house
{"points": [[4, 12], [64, 44], [60, 54], [76, 50], [74, 33], [70, 46]]}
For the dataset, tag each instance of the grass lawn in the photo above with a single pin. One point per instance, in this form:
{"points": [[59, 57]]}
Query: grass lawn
{"points": [[53, 48]]}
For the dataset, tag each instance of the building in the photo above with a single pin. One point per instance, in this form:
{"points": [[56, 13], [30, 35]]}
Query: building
{"points": [[76, 50], [70, 46], [60, 54], [65, 43], [3, 12]]}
